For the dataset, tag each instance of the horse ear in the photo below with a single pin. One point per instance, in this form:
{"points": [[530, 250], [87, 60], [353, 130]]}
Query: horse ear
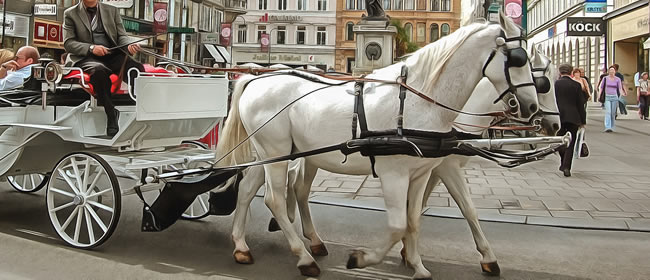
{"points": [[509, 26]]}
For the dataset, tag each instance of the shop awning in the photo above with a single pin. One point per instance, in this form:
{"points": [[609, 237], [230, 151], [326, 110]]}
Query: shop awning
{"points": [[646, 44], [219, 53]]}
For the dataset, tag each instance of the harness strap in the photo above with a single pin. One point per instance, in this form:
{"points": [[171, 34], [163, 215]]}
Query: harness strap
{"points": [[360, 115]]}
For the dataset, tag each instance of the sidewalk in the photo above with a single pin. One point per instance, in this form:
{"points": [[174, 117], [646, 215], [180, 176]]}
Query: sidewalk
{"points": [[608, 190]]}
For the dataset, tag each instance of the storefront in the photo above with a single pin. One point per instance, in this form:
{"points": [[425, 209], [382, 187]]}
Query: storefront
{"points": [[48, 38], [627, 33], [293, 58], [16, 31]]}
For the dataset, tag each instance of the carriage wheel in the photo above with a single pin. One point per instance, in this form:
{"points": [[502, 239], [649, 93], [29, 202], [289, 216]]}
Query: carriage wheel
{"points": [[200, 207], [28, 183], [83, 200]]}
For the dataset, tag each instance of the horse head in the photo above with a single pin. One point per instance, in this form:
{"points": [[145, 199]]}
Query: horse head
{"points": [[508, 69], [544, 76]]}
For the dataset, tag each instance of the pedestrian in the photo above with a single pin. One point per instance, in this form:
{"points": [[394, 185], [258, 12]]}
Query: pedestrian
{"points": [[573, 115], [611, 86], [600, 79], [642, 94], [621, 101], [584, 84], [582, 74]]}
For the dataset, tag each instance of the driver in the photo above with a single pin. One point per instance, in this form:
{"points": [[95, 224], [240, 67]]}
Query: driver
{"points": [[13, 73], [90, 29]]}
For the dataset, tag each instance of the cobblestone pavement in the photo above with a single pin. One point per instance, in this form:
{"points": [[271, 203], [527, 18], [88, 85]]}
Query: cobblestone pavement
{"points": [[608, 190]]}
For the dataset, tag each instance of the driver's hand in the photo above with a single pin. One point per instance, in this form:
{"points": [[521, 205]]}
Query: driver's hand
{"points": [[134, 48], [100, 50]]}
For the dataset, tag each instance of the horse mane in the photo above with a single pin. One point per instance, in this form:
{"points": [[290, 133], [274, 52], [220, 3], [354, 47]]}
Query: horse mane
{"points": [[432, 58]]}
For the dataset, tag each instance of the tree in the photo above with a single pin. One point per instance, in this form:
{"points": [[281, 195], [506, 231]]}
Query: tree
{"points": [[402, 43]]}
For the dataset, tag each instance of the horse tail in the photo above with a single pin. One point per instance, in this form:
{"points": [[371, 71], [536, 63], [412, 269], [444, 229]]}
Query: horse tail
{"points": [[233, 132]]}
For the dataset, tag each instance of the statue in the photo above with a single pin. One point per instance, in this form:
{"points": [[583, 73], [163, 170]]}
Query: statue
{"points": [[375, 11]]}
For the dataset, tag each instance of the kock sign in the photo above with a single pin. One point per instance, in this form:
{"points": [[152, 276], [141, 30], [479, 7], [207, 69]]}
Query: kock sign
{"points": [[586, 26]]}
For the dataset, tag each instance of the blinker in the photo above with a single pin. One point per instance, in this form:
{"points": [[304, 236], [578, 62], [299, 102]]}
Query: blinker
{"points": [[517, 57], [542, 84]]}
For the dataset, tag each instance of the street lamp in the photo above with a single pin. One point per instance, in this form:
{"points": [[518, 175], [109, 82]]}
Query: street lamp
{"points": [[232, 28], [269, 48]]}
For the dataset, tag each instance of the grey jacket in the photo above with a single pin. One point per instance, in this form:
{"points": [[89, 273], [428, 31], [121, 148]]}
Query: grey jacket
{"points": [[77, 36]]}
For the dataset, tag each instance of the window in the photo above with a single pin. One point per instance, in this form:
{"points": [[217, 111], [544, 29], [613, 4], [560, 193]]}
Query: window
{"points": [[409, 31], [282, 35], [386, 5], [349, 4], [422, 5], [261, 29], [349, 32], [409, 4], [446, 5], [241, 33], [421, 33], [321, 35], [435, 33], [322, 5], [300, 35], [361, 4], [302, 5], [282, 5], [444, 30], [398, 4], [262, 4], [435, 5]]}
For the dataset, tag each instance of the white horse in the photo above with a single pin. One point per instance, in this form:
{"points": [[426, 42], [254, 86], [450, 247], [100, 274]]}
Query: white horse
{"points": [[323, 119]]}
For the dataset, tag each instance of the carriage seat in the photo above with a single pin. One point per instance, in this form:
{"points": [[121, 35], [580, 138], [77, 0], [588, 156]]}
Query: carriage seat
{"points": [[118, 87]]}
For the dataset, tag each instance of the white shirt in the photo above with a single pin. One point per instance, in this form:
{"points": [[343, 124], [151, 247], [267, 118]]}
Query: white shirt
{"points": [[16, 78]]}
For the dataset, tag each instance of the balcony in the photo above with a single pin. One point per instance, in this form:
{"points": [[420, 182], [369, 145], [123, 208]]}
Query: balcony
{"points": [[236, 6]]}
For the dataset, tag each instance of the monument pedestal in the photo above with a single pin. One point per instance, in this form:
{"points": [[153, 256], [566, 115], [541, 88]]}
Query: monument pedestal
{"points": [[374, 45]]}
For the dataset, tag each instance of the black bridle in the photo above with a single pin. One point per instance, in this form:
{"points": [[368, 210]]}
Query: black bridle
{"points": [[543, 86]]}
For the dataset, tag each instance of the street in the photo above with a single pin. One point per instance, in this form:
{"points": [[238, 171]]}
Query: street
{"points": [[201, 250]]}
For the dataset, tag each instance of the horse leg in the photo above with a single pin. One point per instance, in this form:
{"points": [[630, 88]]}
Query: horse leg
{"points": [[302, 189], [248, 187], [416, 191], [455, 183], [276, 179], [293, 176], [433, 181], [394, 184]]}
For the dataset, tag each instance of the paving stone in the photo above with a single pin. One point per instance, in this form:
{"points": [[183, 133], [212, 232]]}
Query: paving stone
{"points": [[614, 214], [645, 215], [639, 225], [531, 204], [553, 204], [371, 184], [568, 193], [497, 182], [443, 212], [510, 204], [580, 205], [530, 175], [317, 182], [351, 185], [377, 204], [537, 183], [540, 213], [635, 195], [591, 194], [577, 223], [511, 174], [341, 190], [334, 194], [370, 192], [571, 214], [502, 191], [546, 192], [630, 206], [331, 184], [492, 172], [613, 194], [487, 203], [318, 189], [474, 172], [494, 215], [480, 190], [524, 192], [516, 182], [438, 201], [556, 183], [476, 181], [604, 205]]}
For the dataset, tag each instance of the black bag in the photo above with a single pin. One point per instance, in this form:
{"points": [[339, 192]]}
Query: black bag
{"points": [[601, 98], [584, 151]]}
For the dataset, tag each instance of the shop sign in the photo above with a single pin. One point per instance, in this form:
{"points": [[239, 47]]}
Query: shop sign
{"points": [[290, 58], [629, 25], [586, 26], [45, 9], [209, 38], [226, 33], [264, 42], [187, 30], [592, 8], [159, 17], [280, 18], [552, 31], [124, 4], [16, 26], [48, 34], [136, 26], [514, 10]]}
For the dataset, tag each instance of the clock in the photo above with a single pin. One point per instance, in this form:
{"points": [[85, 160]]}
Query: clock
{"points": [[513, 10], [160, 15]]}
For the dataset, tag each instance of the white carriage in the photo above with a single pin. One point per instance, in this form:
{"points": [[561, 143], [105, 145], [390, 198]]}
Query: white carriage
{"points": [[59, 133]]}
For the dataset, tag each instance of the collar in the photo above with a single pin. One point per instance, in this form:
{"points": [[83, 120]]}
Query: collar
{"points": [[86, 8]]}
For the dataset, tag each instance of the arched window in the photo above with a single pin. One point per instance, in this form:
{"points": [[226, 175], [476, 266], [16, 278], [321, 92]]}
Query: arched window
{"points": [[349, 36], [569, 58], [444, 30], [386, 4], [409, 31], [577, 58], [563, 60], [435, 33]]}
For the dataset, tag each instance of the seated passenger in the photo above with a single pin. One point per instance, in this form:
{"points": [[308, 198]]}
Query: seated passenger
{"points": [[13, 73], [90, 29]]}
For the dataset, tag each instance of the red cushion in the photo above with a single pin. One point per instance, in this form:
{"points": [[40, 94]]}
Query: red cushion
{"points": [[116, 83]]}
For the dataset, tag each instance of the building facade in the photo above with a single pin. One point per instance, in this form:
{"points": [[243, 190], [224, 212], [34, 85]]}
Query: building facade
{"points": [[300, 33], [425, 21], [547, 29]]}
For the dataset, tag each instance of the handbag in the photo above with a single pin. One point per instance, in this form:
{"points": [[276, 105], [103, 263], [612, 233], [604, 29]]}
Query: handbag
{"points": [[584, 150], [601, 98]]}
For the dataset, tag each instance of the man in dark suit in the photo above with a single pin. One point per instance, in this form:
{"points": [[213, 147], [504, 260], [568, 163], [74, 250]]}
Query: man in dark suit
{"points": [[571, 103], [90, 28]]}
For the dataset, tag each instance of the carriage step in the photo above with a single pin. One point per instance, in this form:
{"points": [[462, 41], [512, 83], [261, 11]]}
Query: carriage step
{"points": [[47, 127]]}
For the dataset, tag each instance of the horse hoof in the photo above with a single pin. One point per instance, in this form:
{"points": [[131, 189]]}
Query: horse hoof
{"points": [[319, 250], [491, 269], [310, 270], [243, 257], [273, 225], [353, 261]]}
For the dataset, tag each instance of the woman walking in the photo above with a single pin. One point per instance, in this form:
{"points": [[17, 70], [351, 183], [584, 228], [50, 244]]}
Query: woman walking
{"points": [[577, 76], [642, 93], [610, 87]]}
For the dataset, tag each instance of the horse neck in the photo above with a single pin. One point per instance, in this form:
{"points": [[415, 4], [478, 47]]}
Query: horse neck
{"points": [[481, 101]]}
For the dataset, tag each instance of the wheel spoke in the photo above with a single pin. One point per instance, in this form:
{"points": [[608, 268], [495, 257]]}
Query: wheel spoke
{"points": [[98, 193], [67, 222], [192, 209], [92, 185], [77, 227], [89, 224], [24, 185], [62, 207], [69, 181], [203, 205], [62, 192], [85, 173], [77, 175], [31, 178], [96, 218], [99, 205]]}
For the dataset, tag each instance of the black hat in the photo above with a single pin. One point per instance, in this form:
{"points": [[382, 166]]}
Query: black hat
{"points": [[565, 68]]}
